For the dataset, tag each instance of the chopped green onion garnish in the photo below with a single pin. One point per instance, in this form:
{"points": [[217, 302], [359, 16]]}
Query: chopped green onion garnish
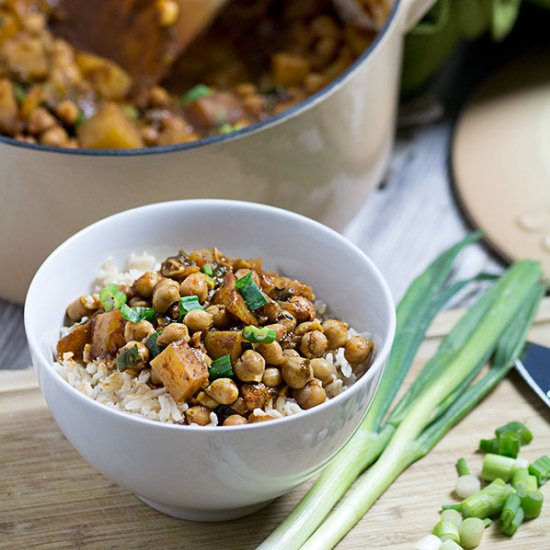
{"points": [[152, 345], [137, 314], [509, 445], [264, 335], [487, 522], [251, 293], [541, 469], [497, 466], [509, 525], [509, 510], [80, 118], [518, 428], [488, 502], [456, 507], [462, 467], [128, 359], [471, 532], [197, 92], [532, 504], [519, 476], [451, 515], [111, 297], [221, 367], [207, 268], [19, 92], [187, 304], [489, 446], [446, 530]]}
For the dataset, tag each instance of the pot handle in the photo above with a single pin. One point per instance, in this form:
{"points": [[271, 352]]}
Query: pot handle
{"points": [[413, 11]]}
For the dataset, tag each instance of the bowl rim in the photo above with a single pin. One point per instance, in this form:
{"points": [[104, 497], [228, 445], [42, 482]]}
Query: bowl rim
{"points": [[41, 360], [212, 140]]}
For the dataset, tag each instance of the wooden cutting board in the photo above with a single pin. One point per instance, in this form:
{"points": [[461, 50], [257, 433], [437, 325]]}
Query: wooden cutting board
{"points": [[51, 498]]}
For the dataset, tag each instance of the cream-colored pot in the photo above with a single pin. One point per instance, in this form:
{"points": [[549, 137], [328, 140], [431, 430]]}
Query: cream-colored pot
{"points": [[321, 159]]}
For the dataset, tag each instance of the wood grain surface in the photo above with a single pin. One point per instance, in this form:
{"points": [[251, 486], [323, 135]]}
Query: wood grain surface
{"points": [[51, 498]]}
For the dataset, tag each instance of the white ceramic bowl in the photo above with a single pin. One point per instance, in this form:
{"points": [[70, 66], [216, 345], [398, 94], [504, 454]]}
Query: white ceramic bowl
{"points": [[197, 473]]}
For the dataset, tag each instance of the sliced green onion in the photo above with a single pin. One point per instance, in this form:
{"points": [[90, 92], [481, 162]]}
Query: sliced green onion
{"points": [[532, 483], [251, 293], [462, 467], [509, 528], [111, 297], [520, 476], [517, 428], [446, 530], [532, 504], [489, 446], [521, 463], [80, 118], [488, 502], [510, 508], [128, 359], [197, 92], [487, 522], [451, 515], [496, 466], [541, 469], [207, 269], [187, 304], [153, 346], [509, 445], [467, 486], [471, 532], [221, 367], [137, 314], [19, 92], [429, 542], [456, 507], [450, 545], [264, 335]]}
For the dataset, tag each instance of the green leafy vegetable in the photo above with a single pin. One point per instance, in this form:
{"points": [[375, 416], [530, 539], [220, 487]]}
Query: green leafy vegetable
{"points": [[128, 359], [137, 314], [187, 304], [251, 293], [111, 297], [256, 335], [221, 368]]}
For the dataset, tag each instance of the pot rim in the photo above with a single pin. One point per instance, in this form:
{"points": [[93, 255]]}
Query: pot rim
{"points": [[253, 128]]}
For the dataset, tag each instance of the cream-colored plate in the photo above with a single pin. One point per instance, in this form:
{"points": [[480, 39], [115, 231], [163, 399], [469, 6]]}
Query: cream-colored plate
{"points": [[501, 159]]}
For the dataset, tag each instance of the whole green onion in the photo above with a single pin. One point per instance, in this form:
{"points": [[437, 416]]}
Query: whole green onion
{"points": [[446, 530], [187, 304], [541, 469], [488, 502], [256, 335], [111, 297], [250, 291], [221, 368], [517, 428], [137, 314], [128, 359], [471, 532], [532, 504], [462, 467], [497, 466]]}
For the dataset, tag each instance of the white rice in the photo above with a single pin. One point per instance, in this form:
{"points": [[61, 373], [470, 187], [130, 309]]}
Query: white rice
{"points": [[101, 380]]}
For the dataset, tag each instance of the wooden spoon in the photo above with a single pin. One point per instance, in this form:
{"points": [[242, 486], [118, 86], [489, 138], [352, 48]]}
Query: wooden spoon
{"points": [[143, 36]]}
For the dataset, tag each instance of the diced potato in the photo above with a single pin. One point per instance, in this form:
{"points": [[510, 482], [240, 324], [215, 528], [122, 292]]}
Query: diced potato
{"points": [[230, 297], [26, 57], [216, 109], [107, 334], [8, 108], [181, 369], [289, 69], [222, 342], [108, 78], [109, 128], [8, 27], [172, 136], [75, 341]]}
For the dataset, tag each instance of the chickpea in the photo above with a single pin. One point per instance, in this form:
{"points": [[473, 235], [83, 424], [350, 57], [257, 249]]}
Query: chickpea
{"points": [[197, 415], [357, 350], [253, 418], [159, 97], [246, 88], [272, 353], [308, 326], [54, 136], [136, 301], [280, 330], [250, 367], [143, 353], [336, 333], [313, 344], [198, 320], [150, 135], [272, 377], [206, 401], [287, 320], [311, 395], [290, 353], [138, 331], [166, 292], [326, 48], [235, 420], [296, 372], [67, 111], [239, 406], [324, 26], [168, 12], [314, 82], [144, 285], [172, 333], [76, 309], [322, 369], [39, 121], [195, 285], [219, 315], [254, 395], [223, 390], [35, 23]]}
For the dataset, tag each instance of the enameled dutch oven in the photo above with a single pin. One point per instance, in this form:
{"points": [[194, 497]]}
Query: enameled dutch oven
{"points": [[320, 158]]}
